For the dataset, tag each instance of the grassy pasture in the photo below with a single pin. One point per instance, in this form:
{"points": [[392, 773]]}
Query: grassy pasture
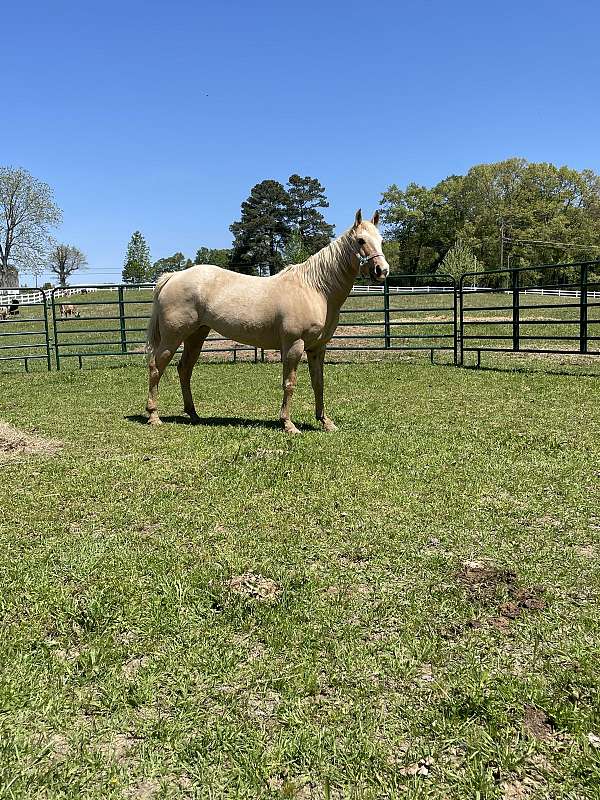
{"points": [[405, 609], [97, 330]]}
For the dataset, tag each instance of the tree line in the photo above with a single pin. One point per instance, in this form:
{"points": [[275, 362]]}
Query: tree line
{"points": [[512, 213]]}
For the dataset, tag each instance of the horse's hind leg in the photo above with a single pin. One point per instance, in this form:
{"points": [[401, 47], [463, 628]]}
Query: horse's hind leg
{"points": [[159, 360], [191, 351]]}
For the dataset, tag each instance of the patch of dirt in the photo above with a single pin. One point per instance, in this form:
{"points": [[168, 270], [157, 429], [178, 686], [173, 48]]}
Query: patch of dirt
{"points": [[264, 706], [255, 586], [59, 745], [420, 768], [144, 790], [484, 579], [131, 668], [119, 747], [550, 522], [587, 551], [515, 790], [357, 589], [15, 444], [537, 724], [484, 582]]}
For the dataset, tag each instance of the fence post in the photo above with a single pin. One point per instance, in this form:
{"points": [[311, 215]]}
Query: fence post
{"points": [[122, 321], [455, 326], [583, 309], [386, 314], [47, 332], [515, 307], [55, 329], [461, 321]]}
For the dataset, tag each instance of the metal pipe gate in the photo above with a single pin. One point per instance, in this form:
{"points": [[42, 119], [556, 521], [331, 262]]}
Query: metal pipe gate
{"points": [[549, 309]]}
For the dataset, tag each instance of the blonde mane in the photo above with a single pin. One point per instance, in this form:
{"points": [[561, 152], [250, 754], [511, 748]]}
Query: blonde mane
{"points": [[327, 269]]}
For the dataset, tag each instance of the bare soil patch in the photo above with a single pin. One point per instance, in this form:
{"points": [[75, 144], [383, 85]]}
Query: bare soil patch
{"points": [[487, 583], [537, 724], [483, 579], [15, 444], [255, 586]]}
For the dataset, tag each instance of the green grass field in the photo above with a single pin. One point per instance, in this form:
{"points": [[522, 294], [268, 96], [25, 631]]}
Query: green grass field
{"points": [[407, 608]]}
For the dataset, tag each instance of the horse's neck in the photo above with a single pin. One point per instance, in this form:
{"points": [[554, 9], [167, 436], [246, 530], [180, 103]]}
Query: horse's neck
{"points": [[330, 272]]}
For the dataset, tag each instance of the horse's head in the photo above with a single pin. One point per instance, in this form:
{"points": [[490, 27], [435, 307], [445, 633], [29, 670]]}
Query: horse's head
{"points": [[366, 241]]}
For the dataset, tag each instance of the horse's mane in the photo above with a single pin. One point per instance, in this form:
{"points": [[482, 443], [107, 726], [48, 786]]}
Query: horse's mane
{"points": [[327, 269]]}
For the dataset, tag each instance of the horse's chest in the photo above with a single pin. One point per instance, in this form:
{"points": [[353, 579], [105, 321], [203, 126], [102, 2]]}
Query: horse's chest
{"points": [[323, 332]]}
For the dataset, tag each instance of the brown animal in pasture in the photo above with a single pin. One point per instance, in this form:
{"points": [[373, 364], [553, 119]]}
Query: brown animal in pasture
{"points": [[3, 313], [294, 311], [67, 310]]}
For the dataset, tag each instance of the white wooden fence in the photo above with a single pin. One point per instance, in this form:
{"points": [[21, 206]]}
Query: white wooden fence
{"points": [[36, 296]]}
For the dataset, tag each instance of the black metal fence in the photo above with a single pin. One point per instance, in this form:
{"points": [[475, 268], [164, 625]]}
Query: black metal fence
{"points": [[24, 327], [542, 309], [552, 309]]}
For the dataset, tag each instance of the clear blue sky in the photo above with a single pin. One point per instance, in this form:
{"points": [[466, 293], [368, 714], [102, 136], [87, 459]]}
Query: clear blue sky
{"points": [[162, 116]]}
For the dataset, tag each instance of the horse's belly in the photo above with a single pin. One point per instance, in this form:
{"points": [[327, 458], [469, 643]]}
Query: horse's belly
{"points": [[245, 331]]}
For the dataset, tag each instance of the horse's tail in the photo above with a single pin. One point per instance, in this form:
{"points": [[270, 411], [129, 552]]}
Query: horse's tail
{"points": [[153, 333]]}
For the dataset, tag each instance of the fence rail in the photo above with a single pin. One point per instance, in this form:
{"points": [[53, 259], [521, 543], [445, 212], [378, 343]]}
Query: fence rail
{"points": [[528, 313]]}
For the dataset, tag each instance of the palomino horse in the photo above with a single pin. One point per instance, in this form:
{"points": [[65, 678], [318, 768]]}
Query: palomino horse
{"points": [[294, 311]]}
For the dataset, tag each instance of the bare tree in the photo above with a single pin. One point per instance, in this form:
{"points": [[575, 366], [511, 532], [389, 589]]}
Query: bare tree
{"points": [[64, 260], [27, 211]]}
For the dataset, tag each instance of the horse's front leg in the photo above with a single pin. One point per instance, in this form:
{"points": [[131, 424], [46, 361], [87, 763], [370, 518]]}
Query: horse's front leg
{"points": [[315, 365], [290, 356]]}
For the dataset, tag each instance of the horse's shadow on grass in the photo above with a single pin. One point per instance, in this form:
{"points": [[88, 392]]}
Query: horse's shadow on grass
{"points": [[219, 422]]}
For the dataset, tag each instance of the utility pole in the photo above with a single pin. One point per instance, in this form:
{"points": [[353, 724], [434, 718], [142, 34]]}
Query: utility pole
{"points": [[501, 242]]}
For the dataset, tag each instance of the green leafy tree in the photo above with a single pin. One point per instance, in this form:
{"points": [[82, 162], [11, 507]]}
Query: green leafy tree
{"points": [[220, 257], [263, 230], [64, 260], [306, 196], [548, 214], [137, 268], [459, 259], [27, 212], [391, 251], [174, 263]]}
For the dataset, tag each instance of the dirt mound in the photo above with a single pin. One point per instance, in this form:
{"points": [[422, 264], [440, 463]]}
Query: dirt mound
{"points": [[15, 444]]}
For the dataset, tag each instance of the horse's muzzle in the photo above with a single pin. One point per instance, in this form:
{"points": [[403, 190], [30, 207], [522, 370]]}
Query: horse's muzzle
{"points": [[379, 274]]}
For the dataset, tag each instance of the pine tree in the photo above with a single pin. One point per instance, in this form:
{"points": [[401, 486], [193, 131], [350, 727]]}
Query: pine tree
{"points": [[294, 251], [305, 197], [263, 230], [137, 268]]}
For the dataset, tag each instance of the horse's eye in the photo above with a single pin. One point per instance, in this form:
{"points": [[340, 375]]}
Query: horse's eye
{"points": [[361, 242]]}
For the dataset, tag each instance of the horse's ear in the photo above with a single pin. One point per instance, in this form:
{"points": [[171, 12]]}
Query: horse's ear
{"points": [[358, 218], [375, 218]]}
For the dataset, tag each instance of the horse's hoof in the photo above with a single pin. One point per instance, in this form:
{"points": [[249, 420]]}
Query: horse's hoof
{"points": [[329, 426], [154, 421], [291, 429]]}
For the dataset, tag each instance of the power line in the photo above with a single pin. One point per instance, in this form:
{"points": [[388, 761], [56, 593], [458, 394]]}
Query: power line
{"points": [[558, 244]]}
